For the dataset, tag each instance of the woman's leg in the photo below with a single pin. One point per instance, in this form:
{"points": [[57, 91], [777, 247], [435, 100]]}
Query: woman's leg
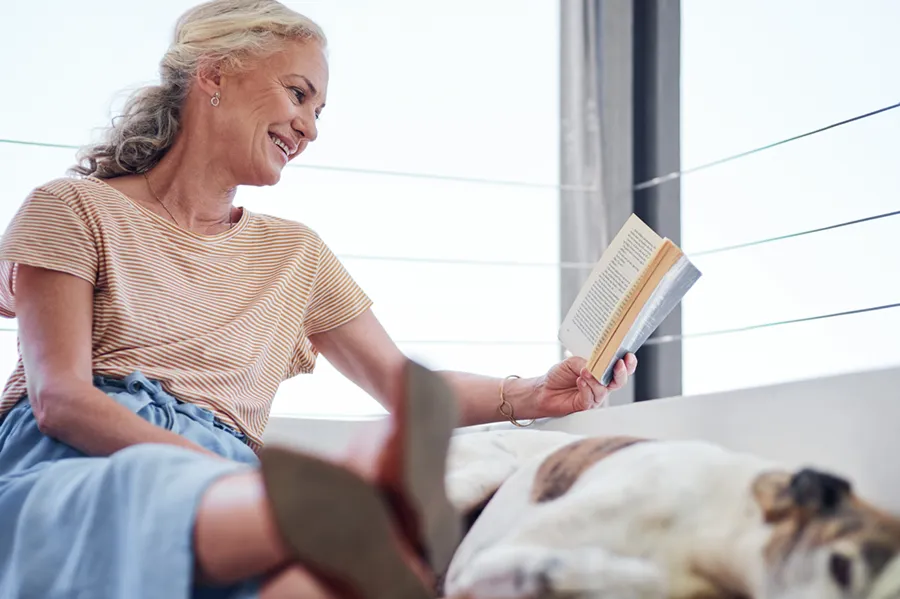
{"points": [[295, 583], [235, 536], [142, 522], [364, 526]]}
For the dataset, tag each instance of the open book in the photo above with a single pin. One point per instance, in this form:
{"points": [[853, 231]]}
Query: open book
{"points": [[638, 281]]}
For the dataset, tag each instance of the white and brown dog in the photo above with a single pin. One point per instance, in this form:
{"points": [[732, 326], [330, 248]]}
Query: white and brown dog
{"points": [[554, 515]]}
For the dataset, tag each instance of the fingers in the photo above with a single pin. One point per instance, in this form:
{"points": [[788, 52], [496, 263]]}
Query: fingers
{"points": [[593, 394], [620, 376], [630, 363], [622, 370]]}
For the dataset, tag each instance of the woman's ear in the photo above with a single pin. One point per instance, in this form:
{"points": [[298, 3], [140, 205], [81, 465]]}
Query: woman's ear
{"points": [[209, 78]]}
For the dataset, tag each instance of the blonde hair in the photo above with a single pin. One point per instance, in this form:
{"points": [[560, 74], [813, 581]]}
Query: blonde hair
{"points": [[230, 34]]}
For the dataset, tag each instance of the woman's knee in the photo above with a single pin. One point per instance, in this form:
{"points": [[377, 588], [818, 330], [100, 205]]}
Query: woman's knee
{"points": [[295, 583]]}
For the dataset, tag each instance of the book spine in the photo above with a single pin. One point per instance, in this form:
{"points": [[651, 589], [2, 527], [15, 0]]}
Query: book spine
{"points": [[625, 304]]}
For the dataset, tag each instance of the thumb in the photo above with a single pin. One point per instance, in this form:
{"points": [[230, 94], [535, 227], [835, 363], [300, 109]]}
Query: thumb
{"points": [[583, 399]]}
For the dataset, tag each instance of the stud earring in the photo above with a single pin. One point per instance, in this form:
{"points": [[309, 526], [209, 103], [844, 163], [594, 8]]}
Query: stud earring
{"points": [[215, 99]]}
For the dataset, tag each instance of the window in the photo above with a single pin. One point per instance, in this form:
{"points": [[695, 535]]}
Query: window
{"points": [[458, 99], [757, 73]]}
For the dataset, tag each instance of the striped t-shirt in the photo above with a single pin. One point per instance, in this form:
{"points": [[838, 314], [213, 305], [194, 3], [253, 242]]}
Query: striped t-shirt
{"points": [[219, 320]]}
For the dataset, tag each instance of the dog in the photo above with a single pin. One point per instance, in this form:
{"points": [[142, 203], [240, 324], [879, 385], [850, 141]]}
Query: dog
{"points": [[557, 516]]}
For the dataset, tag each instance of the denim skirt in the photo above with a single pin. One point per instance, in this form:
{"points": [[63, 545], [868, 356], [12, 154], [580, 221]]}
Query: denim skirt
{"points": [[117, 527]]}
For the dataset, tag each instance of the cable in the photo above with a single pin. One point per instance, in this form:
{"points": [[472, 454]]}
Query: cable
{"points": [[656, 181], [590, 265], [38, 144], [468, 262], [365, 171], [572, 265], [678, 174], [476, 342], [436, 177], [640, 186], [564, 187], [670, 338], [797, 234], [662, 339]]}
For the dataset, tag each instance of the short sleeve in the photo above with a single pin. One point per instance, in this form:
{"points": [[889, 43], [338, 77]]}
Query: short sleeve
{"points": [[46, 232], [335, 298]]}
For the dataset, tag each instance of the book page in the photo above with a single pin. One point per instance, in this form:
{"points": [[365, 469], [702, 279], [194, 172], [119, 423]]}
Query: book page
{"points": [[608, 289]]}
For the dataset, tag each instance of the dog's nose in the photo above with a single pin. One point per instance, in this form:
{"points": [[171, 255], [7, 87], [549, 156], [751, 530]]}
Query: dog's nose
{"points": [[818, 490]]}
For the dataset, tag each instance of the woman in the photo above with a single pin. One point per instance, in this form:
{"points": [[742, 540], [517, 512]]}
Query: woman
{"points": [[156, 321]]}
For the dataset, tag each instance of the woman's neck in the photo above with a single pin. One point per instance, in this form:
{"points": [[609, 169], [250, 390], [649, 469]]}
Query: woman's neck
{"points": [[196, 195]]}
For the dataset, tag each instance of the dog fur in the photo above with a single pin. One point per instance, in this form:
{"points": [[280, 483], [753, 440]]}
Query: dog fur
{"points": [[559, 516]]}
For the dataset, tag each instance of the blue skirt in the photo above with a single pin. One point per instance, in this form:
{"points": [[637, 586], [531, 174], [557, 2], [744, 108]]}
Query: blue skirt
{"points": [[78, 527]]}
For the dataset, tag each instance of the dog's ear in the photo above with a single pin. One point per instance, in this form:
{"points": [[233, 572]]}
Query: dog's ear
{"points": [[772, 493], [806, 491], [818, 492]]}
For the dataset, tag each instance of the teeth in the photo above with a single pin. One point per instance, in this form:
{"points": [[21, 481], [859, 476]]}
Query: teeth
{"points": [[280, 144]]}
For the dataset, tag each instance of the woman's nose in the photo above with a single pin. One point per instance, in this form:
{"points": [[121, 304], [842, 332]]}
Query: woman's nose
{"points": [[306, 126]]}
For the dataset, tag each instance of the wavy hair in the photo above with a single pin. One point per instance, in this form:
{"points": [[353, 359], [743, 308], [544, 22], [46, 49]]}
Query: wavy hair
{"points": [[226, 33]]}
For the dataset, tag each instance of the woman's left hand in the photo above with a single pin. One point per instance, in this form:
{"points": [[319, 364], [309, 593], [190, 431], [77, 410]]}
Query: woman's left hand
{"points": [[568, 387]]}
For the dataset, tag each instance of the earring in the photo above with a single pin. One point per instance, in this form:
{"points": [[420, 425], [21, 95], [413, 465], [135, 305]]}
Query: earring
{"points": [[215, 99]]}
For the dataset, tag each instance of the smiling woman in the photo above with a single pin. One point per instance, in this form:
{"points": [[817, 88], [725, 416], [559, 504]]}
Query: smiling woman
{"points": [[157, 319], [268, 89]]}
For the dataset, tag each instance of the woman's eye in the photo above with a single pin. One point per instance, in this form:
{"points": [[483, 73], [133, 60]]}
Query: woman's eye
{"points": [[299, 94]]}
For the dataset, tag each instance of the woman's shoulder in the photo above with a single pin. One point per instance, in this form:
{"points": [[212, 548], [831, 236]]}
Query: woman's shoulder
{"points": [[280, 227], [85, 193]]}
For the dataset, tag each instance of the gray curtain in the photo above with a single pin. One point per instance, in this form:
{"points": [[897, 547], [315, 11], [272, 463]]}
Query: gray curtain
{"points": [[596, 168]]}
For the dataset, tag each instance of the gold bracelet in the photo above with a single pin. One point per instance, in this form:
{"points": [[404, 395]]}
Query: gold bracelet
{"points": [[506, 408]]}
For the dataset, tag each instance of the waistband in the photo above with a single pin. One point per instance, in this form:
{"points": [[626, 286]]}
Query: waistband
{"points": [[136, 382]]}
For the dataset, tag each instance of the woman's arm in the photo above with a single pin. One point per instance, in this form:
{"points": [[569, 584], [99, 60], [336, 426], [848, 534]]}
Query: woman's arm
{"points": [[55, 314], [363, 352]]}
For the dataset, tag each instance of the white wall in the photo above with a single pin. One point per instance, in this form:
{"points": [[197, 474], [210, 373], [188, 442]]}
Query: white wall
{"points": [[845, 423]]}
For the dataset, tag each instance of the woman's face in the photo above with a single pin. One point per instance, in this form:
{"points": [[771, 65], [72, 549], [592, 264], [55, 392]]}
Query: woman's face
{"points": [[267, 116]]}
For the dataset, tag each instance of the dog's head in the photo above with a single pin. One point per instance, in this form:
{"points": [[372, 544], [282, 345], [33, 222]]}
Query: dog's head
{"points": [[826, 542]]}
